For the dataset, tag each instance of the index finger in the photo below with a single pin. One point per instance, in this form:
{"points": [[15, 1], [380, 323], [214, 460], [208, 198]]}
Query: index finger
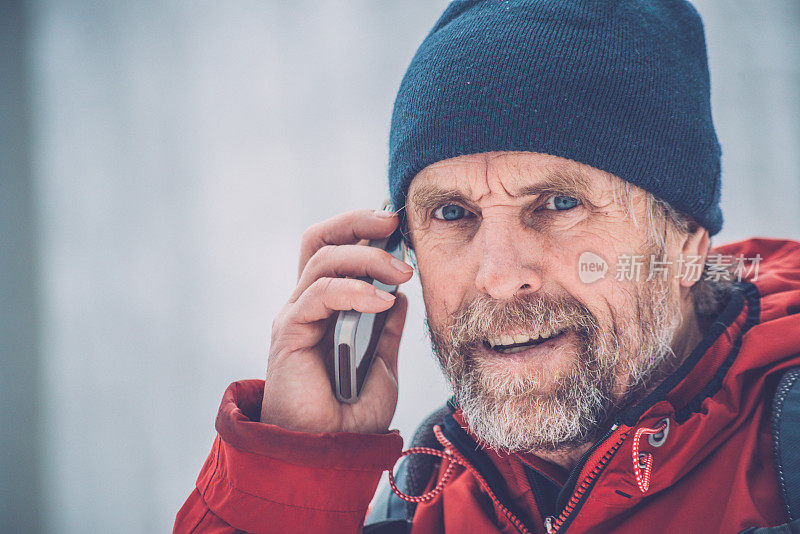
{"points": [[345, 229]]}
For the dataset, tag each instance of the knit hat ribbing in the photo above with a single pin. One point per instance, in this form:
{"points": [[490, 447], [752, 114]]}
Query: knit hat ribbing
{"points": [[621, 85]]}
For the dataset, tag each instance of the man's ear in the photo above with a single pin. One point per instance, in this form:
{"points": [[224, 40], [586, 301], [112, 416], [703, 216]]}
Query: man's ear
{"points": [[696, 243]]}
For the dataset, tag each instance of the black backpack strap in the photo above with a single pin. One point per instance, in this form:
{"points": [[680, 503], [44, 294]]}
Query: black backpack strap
{"points": [[786, 440], [389, 511], [786, 448]]}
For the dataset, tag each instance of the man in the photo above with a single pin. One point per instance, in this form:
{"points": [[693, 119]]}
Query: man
{"points": [[558, 178]]}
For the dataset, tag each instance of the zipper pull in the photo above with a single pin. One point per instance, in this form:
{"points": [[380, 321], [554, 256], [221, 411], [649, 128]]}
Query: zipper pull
{"points": [[548, 523]]}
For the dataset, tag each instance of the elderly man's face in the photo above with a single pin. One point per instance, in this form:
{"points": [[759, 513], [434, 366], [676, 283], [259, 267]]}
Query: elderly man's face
{"points": [[498, 238]]}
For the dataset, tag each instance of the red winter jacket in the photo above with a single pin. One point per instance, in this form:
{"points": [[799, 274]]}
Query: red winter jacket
{"points": [[714, 471]]}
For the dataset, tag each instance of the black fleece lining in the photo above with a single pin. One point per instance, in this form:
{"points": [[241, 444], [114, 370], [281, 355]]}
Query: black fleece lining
{"points": [[545, 492], [742, 292]]}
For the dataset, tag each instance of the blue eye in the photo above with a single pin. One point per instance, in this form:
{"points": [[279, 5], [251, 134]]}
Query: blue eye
{"points": [[561, 202], [450, 212]]}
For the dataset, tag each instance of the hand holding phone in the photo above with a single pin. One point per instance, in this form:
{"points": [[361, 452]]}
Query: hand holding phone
{"points": [[357, 334], [335, 274]]}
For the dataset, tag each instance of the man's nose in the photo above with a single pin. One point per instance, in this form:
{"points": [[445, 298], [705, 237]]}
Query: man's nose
{"points": [[506, 269]]}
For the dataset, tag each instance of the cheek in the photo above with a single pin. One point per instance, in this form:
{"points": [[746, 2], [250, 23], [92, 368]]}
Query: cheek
{"points": [[617, 307], [603, 262], [581, 263], [589, 273], [445, 280]]}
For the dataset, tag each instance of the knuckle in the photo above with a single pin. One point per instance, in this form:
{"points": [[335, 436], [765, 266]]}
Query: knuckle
{"points": [[277, 325], [322, 285], [311, 234], [324, 254]]}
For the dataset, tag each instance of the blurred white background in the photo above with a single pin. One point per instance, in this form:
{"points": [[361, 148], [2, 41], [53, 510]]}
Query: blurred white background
{"points": [[159, 161]]}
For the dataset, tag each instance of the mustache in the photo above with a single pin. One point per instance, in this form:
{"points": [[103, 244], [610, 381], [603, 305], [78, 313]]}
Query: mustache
{"points": [[484, 317]]}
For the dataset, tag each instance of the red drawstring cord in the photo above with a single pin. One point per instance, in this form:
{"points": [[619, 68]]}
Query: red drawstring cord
{"points": [[643, 478], [447, 454], [453, 457], [429, 495]]}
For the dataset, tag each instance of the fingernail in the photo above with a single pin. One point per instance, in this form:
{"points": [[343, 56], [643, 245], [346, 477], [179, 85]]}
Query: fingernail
{"points": [[402, 266], [384, 295], [383, 214]]}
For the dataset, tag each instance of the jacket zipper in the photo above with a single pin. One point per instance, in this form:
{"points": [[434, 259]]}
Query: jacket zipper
{"points": [[554, 525]]}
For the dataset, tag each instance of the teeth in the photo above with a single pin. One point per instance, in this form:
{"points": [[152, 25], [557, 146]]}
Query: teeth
{"points": [[520, 338], [512, 339]]}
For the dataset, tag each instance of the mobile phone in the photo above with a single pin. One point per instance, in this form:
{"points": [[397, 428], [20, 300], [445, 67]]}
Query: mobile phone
{"points": [[356, 334]]}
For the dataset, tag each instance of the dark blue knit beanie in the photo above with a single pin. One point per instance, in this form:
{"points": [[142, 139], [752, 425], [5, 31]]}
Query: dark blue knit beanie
{"points": [[621, 85]]}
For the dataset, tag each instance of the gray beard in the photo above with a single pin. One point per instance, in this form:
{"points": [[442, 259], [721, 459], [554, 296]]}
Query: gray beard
{"points": [[614, 367]]}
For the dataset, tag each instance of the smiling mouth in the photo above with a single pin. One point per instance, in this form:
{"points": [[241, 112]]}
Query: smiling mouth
{"points": [[501, 346]]}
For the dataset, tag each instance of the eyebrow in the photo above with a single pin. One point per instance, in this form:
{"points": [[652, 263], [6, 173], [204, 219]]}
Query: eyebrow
{"points": [[428, 196]]}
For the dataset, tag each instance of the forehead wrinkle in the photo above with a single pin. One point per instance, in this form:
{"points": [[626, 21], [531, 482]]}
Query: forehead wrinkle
{"points": [[571, 180], [424, 195], [478, 180]]}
